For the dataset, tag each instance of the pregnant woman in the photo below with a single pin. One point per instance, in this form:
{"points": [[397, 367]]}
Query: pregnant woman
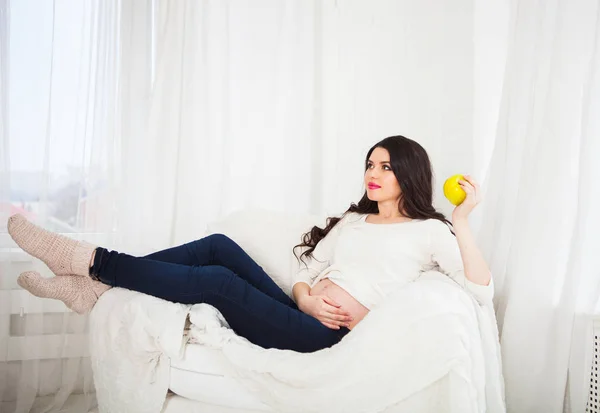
{"points": [[380, 244]]}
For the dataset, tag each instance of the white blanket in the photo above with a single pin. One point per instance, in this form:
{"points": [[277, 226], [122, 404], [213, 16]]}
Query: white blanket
{"points": [[428, 331]]}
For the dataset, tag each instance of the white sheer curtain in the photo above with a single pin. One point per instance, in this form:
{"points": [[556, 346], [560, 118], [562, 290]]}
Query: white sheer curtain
{"points": [[231, 119], [58, 90], [540, 230]]}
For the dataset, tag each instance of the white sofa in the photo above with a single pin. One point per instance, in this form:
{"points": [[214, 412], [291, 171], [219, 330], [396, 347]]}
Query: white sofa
{"points": [[430, 347]]}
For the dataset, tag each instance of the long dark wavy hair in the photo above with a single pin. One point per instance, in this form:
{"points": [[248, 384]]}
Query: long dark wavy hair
{"points": [[412, 169]]}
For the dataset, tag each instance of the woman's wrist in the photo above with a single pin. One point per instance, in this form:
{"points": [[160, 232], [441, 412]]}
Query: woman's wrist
{"points": [[460, 221], [302, 300], [300, 291], [475, 267]]}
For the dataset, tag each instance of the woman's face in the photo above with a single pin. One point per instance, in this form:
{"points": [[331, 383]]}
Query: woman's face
{"points": [[379, 172]]}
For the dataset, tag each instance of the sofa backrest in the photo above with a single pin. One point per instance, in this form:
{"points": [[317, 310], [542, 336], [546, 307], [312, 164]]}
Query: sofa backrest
{"points": [[268, 237]]}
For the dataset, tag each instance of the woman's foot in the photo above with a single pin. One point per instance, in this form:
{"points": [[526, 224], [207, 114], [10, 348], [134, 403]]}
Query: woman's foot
{"points": [[78, 293], [64, 256]]}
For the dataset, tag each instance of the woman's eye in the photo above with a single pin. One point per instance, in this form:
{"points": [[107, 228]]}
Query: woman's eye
{"points": [[385, 167]]}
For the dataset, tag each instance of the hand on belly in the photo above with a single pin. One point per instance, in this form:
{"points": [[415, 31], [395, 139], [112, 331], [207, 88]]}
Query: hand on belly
{"points": [[342, 297]]}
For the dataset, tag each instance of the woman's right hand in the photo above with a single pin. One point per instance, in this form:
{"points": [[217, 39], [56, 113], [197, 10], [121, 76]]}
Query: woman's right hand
{"points": [[325, 310]]}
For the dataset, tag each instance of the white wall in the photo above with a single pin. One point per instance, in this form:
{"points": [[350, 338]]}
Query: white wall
{"points": [[395, 67], [490, 37]]}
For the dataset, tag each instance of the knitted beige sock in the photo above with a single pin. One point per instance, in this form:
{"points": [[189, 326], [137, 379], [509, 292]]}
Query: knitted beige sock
{"points": [[64, 256], [78, 293]]}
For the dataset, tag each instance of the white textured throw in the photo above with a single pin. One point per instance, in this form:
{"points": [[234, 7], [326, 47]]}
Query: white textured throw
{"points": [[427, 333], [132, 337]]}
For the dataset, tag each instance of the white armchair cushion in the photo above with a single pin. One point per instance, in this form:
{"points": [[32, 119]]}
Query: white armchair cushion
{"points": [[268, 237]]}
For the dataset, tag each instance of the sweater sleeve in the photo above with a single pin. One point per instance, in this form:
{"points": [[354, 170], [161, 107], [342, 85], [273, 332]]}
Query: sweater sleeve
{"points": [[445, 252], [321, 258]]}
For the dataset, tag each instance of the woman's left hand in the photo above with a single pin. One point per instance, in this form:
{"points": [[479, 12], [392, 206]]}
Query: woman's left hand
{"points": [[474, 197]]}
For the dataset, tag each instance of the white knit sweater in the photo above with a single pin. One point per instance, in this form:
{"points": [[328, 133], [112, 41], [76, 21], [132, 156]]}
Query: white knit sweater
{"points": [[370, 261]]}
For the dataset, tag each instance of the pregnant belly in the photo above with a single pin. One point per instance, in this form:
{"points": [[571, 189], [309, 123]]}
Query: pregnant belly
{"points": [[343, 298]]}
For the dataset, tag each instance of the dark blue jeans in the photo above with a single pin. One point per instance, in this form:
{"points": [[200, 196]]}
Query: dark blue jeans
{"points": [[217, 271]]}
